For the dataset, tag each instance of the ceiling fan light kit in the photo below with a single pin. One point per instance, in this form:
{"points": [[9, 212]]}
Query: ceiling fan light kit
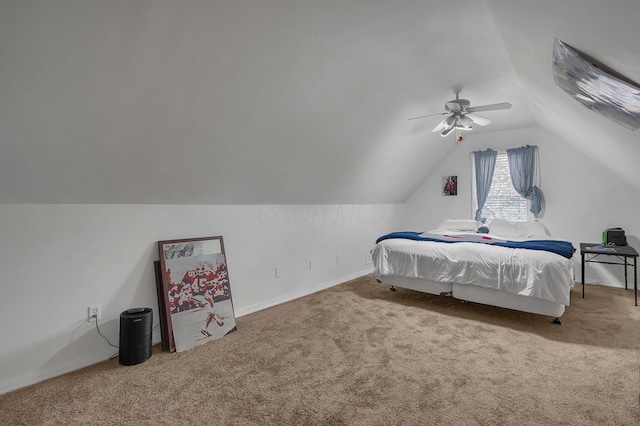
{"points": [[461, 115]]}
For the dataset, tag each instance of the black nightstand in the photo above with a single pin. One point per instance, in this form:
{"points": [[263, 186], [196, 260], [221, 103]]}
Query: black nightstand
{"points": [[622, 253]]}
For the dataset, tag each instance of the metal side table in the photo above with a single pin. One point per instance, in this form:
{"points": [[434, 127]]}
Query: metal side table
{"points": [[594, 253]]}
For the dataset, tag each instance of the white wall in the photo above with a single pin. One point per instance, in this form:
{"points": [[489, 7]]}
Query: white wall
{"points": [[56, 260], [581, 198]]}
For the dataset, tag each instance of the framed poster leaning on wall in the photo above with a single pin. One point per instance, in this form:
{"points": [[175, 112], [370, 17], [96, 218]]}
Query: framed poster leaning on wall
{"points": [[195, 291]]}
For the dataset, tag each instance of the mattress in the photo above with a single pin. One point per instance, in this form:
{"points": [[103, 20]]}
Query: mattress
{"points": [[533, 273]]}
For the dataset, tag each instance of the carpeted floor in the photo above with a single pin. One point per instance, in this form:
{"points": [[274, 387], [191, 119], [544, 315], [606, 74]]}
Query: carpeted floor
{"points": [[359, 354]]}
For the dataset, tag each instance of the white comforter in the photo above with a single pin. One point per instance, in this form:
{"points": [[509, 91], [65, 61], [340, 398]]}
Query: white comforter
{"points": [[534, 273]]}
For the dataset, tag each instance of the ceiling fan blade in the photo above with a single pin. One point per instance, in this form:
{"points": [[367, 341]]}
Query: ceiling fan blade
{"points": [[478, 119], [492, 107], [425, 116]]}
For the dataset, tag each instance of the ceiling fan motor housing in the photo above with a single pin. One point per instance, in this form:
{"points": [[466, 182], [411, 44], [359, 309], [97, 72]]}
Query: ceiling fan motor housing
{"points": [[463, 103]]}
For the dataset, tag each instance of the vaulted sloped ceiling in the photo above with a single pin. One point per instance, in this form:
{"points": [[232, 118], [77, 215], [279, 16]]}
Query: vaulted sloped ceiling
{"points": [[282, 101], [606, 31]]}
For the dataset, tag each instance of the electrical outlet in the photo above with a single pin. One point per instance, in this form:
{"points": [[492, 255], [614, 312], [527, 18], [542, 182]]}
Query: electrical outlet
{"points": [[310, 266], [95, 313], [337, 258], [277, 273], [368, 259]]}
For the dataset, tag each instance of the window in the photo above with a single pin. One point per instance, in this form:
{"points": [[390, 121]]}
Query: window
{"points": [[503, 201]]}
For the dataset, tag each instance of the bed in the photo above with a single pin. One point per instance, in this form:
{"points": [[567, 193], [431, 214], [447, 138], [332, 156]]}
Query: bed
{"points": [[514, 265]]}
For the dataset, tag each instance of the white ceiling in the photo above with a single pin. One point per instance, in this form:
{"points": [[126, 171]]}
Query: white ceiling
{"points": [[282, 101]]}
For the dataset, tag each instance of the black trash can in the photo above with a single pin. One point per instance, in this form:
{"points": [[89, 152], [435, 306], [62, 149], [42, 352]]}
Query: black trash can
{"points": [[135, 335]]}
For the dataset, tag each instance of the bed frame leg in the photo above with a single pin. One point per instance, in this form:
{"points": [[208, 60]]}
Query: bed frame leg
{"points": [[446, 293], [392, 288], [378, 281], [556, 320]]}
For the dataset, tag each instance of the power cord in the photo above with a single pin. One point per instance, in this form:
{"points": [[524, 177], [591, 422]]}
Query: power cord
{"points": [[105, 337]]}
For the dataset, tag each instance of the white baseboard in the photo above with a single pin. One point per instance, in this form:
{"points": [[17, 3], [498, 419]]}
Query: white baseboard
{"points": [[98, 357], [40, 376], [77, 364], [298, 294]]}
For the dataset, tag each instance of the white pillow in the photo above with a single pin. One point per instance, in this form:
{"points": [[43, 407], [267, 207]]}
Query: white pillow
{"points": [[460, 225], [522, 230]]}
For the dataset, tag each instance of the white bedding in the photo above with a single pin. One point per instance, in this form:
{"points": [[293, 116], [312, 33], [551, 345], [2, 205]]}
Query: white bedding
{"points": [[533, 273]]}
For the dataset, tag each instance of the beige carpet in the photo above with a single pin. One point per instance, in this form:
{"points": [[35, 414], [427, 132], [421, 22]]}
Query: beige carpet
{"points": [[359, 354]]}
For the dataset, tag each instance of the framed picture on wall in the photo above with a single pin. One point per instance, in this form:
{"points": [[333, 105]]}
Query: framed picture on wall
{"points": [[195, 292], [450, 185]]}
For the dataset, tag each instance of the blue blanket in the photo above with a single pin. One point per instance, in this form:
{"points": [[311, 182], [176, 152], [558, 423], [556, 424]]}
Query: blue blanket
{"points": [[563, 248]]}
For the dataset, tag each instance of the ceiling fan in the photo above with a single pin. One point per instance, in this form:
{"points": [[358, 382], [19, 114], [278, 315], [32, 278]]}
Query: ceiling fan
{"points": [[461, 115]]}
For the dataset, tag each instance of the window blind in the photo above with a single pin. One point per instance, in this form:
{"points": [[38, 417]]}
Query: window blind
{"points": [[503, 201]]}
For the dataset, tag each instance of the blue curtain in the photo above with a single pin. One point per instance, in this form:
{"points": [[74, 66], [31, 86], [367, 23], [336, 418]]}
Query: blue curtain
{"points": [[522, 168], [485, 162]]}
